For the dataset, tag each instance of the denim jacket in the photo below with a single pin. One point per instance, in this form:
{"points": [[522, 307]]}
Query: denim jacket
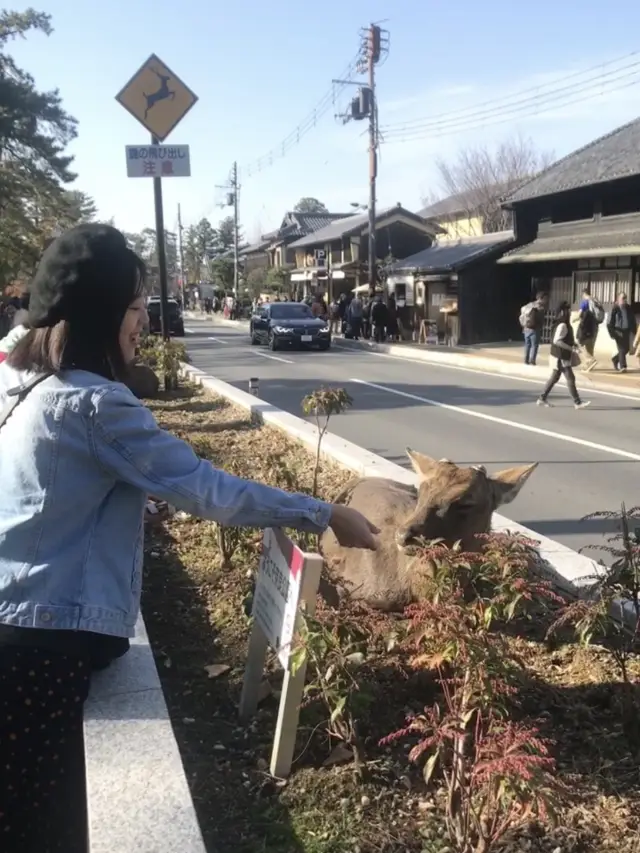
{"points": [[78, 458]]}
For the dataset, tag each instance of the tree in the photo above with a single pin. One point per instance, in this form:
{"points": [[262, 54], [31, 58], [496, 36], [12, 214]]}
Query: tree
{"points": [[480, 176], [308, 204], [145, 245], [77, 207], [257, 281], [34, 134], [226, 230], [222, 273]]}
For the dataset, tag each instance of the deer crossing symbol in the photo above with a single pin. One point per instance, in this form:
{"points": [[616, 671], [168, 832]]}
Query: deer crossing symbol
{"points": [[164, 93]]}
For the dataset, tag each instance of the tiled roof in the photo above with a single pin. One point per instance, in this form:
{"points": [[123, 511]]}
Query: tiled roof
{"points": [[616, 155], [449, 255], [296, 224], [579, 243], [349, 225], [459, 203]]}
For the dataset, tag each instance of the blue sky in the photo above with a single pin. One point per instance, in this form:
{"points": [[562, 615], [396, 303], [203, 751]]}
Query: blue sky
{"points": [[259, 68]]}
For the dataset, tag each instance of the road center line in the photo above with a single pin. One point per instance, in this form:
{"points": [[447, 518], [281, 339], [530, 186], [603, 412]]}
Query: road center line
{"points": [[217, 340], [570, 439], [273, 357]]}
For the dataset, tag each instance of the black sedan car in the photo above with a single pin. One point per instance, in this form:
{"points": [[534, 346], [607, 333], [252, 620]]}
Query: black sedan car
{"points": [[280, 324], [176, 323]]}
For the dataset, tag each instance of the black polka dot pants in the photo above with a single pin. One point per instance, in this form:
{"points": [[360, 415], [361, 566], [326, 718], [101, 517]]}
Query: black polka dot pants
{"points": [[42, 793]]}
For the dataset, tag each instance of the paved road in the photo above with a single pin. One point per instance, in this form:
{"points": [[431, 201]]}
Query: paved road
{"points": [[589, 460]]}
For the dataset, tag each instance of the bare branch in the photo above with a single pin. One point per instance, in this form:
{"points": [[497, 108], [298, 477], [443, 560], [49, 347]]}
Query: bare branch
{"points": [[480, 176]]}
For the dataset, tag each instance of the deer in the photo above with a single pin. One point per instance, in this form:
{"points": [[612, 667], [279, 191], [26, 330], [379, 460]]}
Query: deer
{"points": [[162, 94], [450, 503]]}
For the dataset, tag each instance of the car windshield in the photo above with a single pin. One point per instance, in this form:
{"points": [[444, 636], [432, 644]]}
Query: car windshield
{"points": [[291, 311], [154, 306]]}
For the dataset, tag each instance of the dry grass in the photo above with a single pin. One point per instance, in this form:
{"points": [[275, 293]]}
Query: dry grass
{"points": [[195, 615]]}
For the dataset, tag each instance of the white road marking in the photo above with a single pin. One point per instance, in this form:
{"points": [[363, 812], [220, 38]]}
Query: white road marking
{"points": [[217, 340], [273, 357], [570, 439], [189, 331], [585, 386]]}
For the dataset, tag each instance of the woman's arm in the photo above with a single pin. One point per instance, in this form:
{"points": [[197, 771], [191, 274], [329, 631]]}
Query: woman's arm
{"points": [[129, 444]]}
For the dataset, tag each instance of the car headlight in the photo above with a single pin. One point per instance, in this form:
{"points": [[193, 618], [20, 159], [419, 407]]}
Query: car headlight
{"points": [[325, 330], [283, 330]]}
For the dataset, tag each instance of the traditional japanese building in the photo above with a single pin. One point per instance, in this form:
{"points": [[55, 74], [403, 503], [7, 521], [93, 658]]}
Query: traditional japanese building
{"points": [[578, 224]]}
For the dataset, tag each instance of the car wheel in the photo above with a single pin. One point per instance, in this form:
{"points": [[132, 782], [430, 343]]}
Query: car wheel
{"points": [[179, 331], [273, 342], [254, 339]]}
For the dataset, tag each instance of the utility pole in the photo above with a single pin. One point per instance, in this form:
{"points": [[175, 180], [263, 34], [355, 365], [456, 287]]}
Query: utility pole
{"points": [[235, 188], [373, 54], [181, 250], [374, 44], [232, 189]]}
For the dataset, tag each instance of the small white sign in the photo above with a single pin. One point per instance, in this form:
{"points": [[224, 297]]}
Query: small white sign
{"points": [[277, 593], [158, 161], [287, 578]]}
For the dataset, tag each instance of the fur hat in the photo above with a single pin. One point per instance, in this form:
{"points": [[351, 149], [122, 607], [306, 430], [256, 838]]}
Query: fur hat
{"points": [[85, 273]]}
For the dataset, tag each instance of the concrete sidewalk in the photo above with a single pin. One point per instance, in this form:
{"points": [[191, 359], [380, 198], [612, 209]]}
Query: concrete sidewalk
{"points": [[505, 359]]}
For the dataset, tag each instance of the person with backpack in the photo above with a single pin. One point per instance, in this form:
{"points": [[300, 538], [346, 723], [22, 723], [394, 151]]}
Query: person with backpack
{"points": [[532, 321], [562, 358], [591, 316]]}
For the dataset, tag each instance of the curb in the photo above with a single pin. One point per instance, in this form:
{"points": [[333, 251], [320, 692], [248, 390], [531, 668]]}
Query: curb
{"points": [[482, 364], [569, 571], [128, 741]]}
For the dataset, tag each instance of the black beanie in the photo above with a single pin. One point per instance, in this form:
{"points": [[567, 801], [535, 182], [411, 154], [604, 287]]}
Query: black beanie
{"points": [[87, 272]]}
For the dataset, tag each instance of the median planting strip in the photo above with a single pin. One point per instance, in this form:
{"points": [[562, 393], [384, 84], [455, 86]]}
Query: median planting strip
{"points": [[198, 585]]}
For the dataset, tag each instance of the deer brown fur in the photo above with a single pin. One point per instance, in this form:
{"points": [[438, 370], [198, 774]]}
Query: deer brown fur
{"points": [[449, 503]]}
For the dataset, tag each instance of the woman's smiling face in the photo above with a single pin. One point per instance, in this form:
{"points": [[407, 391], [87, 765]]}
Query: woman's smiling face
{"points": [[135, 319]]}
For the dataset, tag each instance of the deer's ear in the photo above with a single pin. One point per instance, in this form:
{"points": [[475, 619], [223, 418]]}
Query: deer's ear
{"points": [[506, 484], [424, 466]]}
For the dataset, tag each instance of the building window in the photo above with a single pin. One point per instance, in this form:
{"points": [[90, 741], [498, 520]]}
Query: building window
{"points": [[604, 285], [621, 204], [572, 211]]}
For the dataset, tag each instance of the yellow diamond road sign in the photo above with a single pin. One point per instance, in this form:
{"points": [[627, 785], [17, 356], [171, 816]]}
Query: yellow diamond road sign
{"points": [[157, 98]]}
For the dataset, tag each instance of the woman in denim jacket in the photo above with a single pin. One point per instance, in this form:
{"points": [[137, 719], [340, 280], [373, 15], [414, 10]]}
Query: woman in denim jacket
{"points": [[79, 456]]}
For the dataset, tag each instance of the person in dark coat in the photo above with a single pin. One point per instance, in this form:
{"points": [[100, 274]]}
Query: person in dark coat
{"points": [[622, 327]]}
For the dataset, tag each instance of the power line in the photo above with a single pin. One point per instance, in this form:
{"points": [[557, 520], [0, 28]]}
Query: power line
{"points": [[292, 139], [523, 109], [516, 103]]}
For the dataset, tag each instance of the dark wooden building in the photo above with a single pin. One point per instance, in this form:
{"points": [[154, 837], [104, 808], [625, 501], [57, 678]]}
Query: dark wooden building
{"points": [[578, 224], [458, 274]]}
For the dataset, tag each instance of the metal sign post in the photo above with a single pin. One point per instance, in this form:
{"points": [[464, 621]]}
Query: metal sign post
{"points": [[159, 100]]}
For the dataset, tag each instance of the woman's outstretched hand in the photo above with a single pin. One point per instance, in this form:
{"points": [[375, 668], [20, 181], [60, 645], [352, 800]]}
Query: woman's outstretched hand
{"points": [[352, 529]]}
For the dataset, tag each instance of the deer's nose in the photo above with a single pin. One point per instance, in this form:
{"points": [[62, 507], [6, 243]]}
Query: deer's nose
{"points": [[404, 535]]}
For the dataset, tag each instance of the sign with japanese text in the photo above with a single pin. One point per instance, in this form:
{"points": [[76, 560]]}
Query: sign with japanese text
{"points": [[157, 97], [158, 161], [287, 579], [277, 594]]}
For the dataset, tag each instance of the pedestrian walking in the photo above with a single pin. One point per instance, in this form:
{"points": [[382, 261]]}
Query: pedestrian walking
{"points": [[563, 358], [591, 315], [354, 316], [532, 321], [379, 319], [622, 327]]}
